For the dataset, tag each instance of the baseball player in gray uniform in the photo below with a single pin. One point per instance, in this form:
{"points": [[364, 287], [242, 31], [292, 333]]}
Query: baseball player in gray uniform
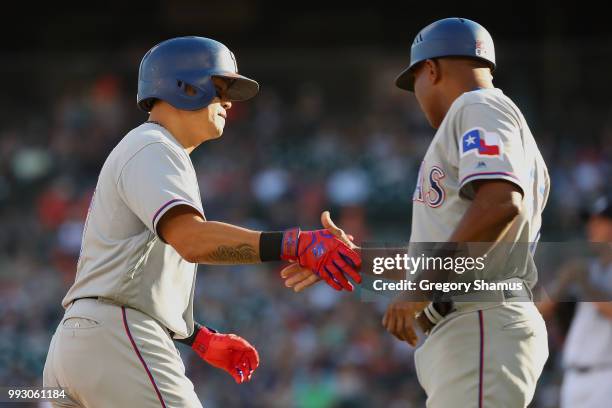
{"points": [[587, 360], [145, 234], [482, 180]]}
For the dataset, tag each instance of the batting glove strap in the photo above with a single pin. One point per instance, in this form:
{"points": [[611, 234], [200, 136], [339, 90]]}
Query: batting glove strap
{"points": [[289, 246], [202, 340], [191, 339]]}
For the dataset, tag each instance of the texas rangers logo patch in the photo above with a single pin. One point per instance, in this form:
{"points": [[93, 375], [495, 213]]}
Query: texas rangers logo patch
{"points": [[481, 142]]}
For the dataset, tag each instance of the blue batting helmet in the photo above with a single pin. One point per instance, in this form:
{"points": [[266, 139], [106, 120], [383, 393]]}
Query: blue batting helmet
{"points": [[449, 37], [171, 65]]}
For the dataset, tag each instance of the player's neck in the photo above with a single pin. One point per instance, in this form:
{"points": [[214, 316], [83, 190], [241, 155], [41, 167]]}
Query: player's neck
{"points": [[467, 84], [174, 128], [470, 80]]}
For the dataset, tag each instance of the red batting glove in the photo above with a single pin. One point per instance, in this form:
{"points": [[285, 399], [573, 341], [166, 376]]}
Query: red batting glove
{"points": [[228, 352], [327, 256]]}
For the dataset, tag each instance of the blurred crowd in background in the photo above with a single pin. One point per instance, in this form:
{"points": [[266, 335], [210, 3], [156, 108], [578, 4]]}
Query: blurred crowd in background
{"points": [[284, 157]]}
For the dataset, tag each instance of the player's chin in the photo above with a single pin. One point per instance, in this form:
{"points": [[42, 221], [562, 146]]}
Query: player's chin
{"points": [[218, 131]]}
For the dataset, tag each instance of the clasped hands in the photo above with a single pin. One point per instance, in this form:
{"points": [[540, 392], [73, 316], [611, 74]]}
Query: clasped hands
{"points": [[327, 254], [399, 319]]}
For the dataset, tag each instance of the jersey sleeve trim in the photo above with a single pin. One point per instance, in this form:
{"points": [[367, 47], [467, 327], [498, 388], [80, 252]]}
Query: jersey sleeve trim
{"points": [[170, 204], [492, 175], [489, 174]]}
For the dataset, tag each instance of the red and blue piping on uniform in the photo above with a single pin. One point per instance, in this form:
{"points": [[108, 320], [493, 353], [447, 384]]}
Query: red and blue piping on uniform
{"points": [[489, 174], [481, 365], [481, 142], [142, 361], [165, 205]]}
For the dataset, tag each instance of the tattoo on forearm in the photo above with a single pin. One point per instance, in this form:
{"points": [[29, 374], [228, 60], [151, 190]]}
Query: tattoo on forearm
{"points": [[241, 254]]}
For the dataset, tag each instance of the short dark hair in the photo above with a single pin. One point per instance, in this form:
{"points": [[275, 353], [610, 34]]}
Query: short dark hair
{"points": [[148, 103]]}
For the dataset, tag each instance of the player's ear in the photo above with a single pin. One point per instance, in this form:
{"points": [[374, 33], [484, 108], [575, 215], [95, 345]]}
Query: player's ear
{"points": [[433, 70]]}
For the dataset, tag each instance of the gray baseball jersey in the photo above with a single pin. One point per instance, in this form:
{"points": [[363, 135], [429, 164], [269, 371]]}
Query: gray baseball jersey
{"points": [[483, 136], [122, 258], [591, 328]]}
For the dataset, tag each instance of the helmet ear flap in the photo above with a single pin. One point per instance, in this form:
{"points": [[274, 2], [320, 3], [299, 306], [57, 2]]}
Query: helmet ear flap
{"points": [[193, 95], [187, 89]]}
